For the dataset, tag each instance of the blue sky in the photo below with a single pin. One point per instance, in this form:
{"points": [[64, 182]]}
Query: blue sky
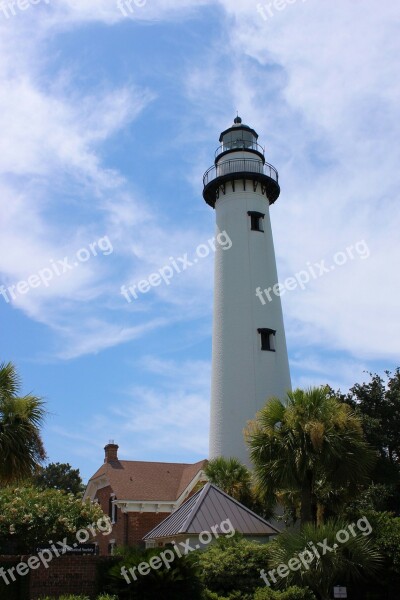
{"points": [[108, 123]]}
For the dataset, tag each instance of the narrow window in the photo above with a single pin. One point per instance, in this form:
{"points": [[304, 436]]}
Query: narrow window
{"points": [[267, 339], [112, 509], [111, 547], [256, 220]]}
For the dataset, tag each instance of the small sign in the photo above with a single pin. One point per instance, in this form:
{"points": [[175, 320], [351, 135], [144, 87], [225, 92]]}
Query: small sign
{"points": [[339, 592], [73, 550], [82, 549]]}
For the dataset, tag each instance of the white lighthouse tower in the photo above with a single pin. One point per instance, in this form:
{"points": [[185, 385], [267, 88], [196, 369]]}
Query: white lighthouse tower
{"points": [[249, 356]]}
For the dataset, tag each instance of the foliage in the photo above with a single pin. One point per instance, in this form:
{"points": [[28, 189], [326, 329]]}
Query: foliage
{"points": [[386, 537], [373, 497], [66, 597], [231, 476], [235, 479], [236, 595], [72, 597], [30, 517], [233, 565], [21, 446], [59, 476], [309, 451], [179, 580], [378, 404], [291, 593], [348, 561]]}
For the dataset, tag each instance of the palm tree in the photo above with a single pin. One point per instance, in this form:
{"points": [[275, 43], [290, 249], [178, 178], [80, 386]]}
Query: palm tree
{"points": [[21, 446], [231, 476], [309, 449], [327, 555]]}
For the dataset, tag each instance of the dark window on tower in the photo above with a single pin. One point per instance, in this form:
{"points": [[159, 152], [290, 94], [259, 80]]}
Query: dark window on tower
{"points": [[267, 339], [256, 220]]}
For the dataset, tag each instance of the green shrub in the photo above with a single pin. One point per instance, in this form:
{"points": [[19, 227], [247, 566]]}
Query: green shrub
{"points": [[346, 561], [66, 597], [72, 597], [35, 516], [180, 579], [292, 593], [232, 596], [233, 567]]}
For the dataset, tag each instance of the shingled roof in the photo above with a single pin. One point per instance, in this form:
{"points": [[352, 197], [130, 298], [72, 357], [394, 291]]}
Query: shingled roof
{"points": [[148, 481], [210, 507]]}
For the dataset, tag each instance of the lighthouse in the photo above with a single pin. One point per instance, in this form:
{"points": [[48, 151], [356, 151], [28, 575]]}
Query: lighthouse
{"points": [[249, 355]]}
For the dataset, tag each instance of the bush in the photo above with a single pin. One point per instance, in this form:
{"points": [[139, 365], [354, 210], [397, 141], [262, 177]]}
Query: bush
{"points": [[232, 596], [72, 597], [67, 597], [233, 567], [292, 593], [30, 517], [179, 580]]}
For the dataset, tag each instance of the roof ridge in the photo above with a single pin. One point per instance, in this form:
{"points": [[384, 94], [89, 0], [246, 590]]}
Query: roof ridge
{"points": [[173, 514], [195, 467], [202, 493]]}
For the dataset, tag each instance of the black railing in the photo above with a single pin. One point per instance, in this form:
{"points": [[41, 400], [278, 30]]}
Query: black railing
{"points": [[240, 165], [239, 145]]}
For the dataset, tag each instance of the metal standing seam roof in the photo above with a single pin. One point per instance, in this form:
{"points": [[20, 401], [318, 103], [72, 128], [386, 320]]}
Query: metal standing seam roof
{"points": [[208, 507]]}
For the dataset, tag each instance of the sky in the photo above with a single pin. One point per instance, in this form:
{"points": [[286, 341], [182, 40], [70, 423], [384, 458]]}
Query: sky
{"points": [[109, 116]]}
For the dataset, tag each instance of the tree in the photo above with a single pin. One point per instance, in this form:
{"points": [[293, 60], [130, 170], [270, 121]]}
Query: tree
{"points": [[30, 517], [330, 563], [235, 479], [231, 476], [21, 446], [59, 476], [378, 403], [309, 451]]}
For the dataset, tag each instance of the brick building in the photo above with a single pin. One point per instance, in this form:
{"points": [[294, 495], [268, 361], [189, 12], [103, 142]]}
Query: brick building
{"points": [[138, 495]]}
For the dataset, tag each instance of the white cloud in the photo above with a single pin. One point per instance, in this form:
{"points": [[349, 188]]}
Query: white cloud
{"points": [[321, 81], [325, 73], [169, 418]]}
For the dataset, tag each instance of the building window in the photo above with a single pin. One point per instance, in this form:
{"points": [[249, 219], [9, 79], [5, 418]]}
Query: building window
{"points": [[112, 509], [267, 339], [111, 547], [256, 220]]}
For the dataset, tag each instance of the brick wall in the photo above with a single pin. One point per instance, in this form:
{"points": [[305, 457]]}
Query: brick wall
{"points": [[64, 575], [129, 528], [141, 523], [119, 532]]}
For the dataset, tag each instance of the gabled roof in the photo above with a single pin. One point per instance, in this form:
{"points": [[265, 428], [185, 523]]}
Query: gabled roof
{"points": [[209, 507], [148, 481]]}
